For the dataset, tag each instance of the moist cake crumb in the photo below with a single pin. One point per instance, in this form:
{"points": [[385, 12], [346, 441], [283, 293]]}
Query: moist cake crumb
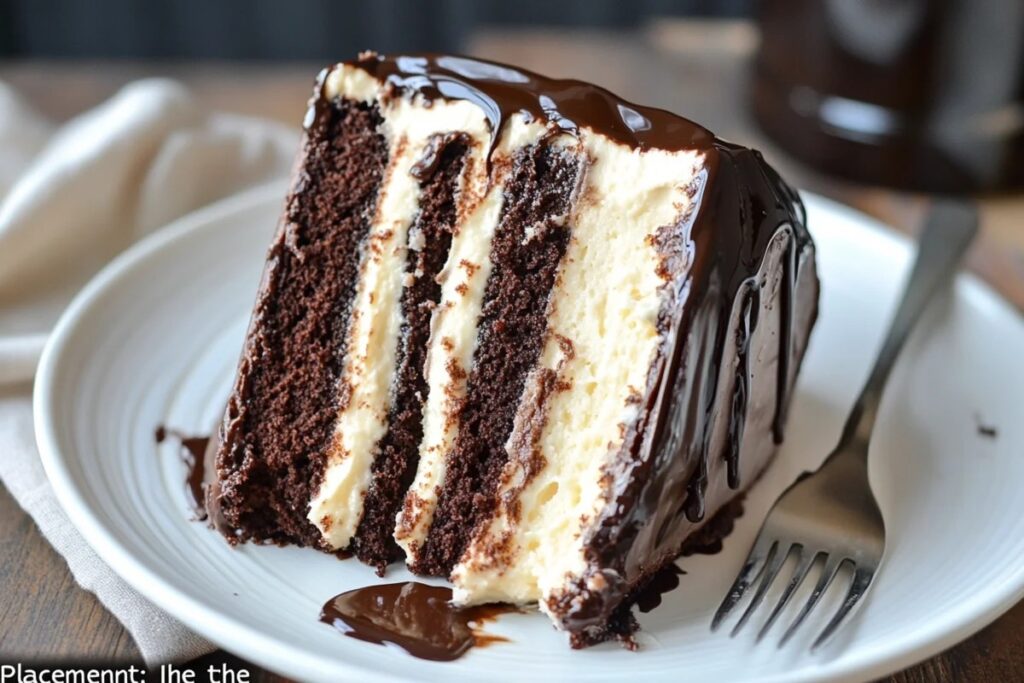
{"points": [[511, 329], [281, 414], [395, 464]]}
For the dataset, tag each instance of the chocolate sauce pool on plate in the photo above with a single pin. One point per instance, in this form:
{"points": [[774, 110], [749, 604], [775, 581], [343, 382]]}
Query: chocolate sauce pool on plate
{"points": [[417, 617], [193, 454]]}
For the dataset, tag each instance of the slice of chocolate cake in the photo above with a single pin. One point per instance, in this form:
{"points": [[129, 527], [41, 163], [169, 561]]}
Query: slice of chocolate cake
{"points": [[517, 331]]}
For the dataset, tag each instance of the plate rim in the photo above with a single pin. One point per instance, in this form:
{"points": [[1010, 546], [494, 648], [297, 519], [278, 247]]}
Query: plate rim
{"points": [[251, 643]]}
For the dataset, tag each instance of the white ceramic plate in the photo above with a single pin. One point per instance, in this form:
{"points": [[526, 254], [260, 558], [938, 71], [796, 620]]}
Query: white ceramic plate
{"points": [[154, 339]]}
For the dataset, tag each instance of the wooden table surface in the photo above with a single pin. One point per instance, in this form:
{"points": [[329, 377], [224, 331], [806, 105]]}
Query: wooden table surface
{"points": [[695, 68]]}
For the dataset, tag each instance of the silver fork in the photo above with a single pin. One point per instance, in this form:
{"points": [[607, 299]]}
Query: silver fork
{"points": [[831, 513]]}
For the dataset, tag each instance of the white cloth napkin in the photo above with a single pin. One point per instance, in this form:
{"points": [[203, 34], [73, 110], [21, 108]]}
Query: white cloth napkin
{"points": [[71, 198]]}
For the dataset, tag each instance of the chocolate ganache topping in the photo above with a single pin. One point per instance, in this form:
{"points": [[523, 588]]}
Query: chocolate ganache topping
{"points": [[500, 91], [740, 210]]}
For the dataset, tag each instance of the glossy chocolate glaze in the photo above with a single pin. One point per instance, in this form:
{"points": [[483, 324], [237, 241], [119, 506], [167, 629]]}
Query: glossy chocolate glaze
{"points": [[501, 91], [662, 475], [418, 618], [428, 162], [707, 541], [739, 208]]}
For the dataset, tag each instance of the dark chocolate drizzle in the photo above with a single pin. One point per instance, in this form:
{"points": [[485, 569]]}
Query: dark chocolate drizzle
{"points": [[789, 275], [427, 164], [750, 294], [665, 581], [739, 205], [199, 455], [501, 91], [418, 618], [193, 455]]}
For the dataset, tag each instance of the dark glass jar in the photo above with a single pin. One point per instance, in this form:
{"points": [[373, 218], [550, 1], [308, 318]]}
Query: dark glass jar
{"points": [[917, 94]]}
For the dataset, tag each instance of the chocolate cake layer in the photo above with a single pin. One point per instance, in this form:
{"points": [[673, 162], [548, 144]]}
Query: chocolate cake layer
{"points": [[527, 248], [280, 417], [438, 172]]}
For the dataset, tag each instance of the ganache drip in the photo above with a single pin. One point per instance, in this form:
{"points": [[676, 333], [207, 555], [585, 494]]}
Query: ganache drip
{"points": [[502, 91], [665, 462], [741, 393]]}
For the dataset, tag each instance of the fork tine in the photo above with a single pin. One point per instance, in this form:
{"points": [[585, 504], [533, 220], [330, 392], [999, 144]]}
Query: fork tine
{"points": [[861, 581], [827, 574], [806, 560], [746, 577], [776, 558]]}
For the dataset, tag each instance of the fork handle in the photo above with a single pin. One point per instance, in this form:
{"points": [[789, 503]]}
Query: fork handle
{"points": [[948, 230]]}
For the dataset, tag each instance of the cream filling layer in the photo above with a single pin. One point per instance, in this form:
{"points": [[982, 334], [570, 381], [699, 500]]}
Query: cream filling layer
{"points": [[454, 331], [351, 83], [376, 319], [605, 304]]}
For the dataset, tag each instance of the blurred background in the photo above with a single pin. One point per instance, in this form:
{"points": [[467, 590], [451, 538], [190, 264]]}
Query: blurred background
{"points": [[915, 94], [319, 30]]}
